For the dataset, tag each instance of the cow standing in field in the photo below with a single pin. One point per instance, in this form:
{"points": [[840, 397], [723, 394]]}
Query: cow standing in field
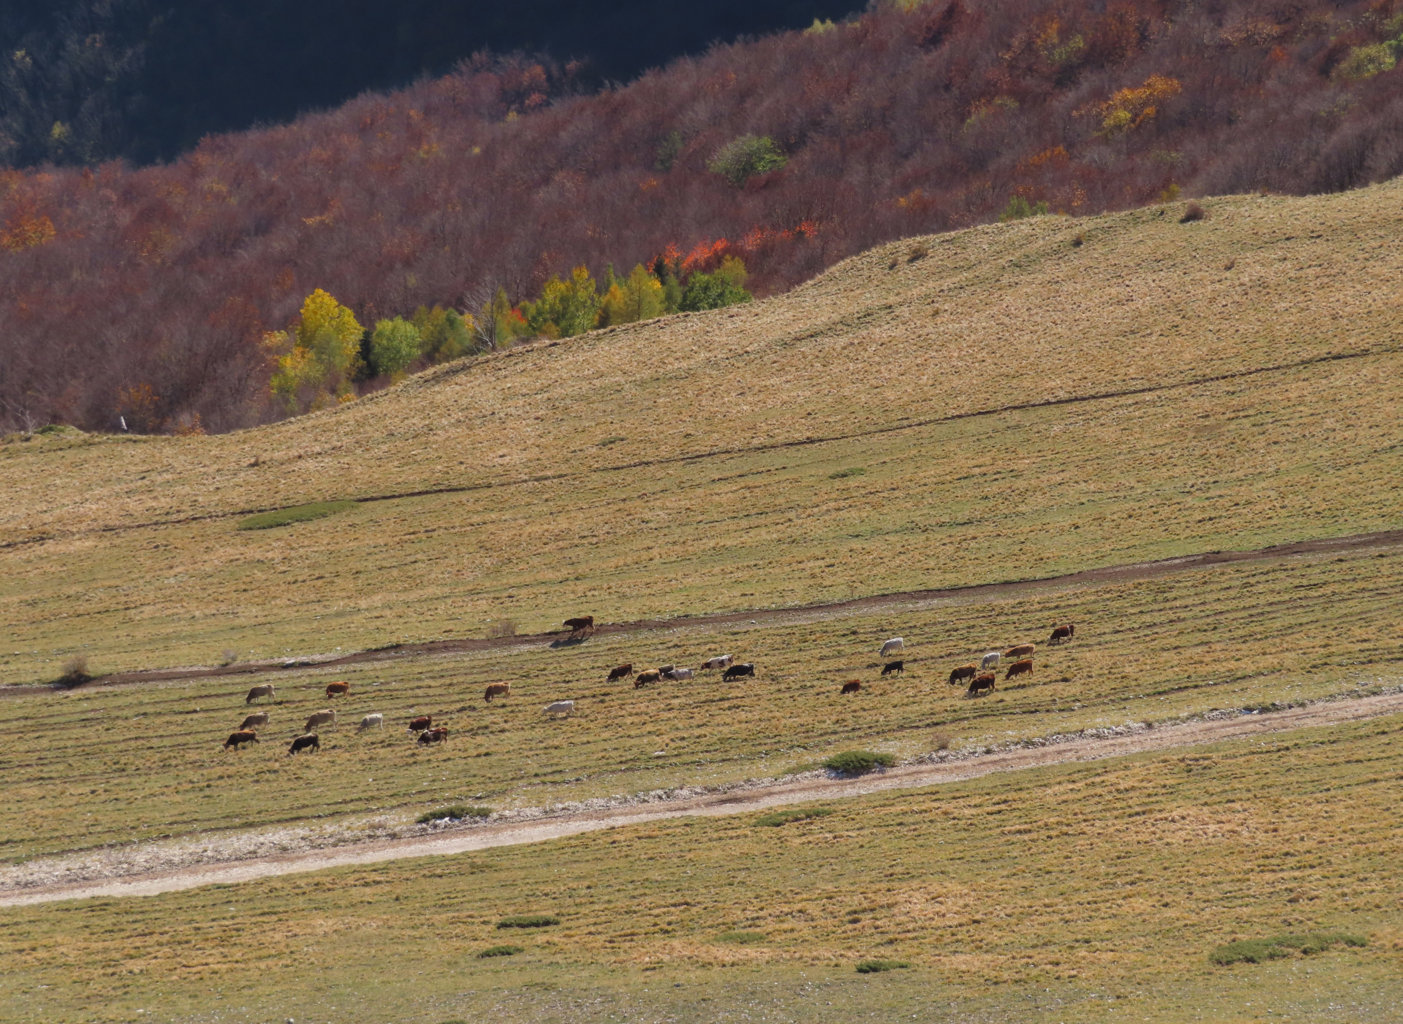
{"points": [[376, 721], [644, 678], [257, 720], [1062, 633], [497, 690], [990, 661], [421, 723], [430, 736], [852, 686], [337, 689], [980, 683], [620, 672], [720, 661], [736, 671], [894, 666], [308, 742], [580, 625], [893, 645], [958, 675], [1018, 668], [561, 707], [264, 690], [678, 675], [1021, 651], [238, 739], [320, 718]]}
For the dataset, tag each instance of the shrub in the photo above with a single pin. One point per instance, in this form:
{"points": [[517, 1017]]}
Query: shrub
{"points": [[777, 818], [1256, 951], [844, 473], [743, 158], [919, 252], [528, 921], [296, 514], [75, 672], [877, 966], [500, 951], [1366, 62], [858, 762], [455, 813], [1018, 207], [501, 628], [1193, 212]]}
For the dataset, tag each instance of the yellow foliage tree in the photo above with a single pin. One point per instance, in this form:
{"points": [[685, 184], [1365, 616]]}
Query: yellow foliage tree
{"points": [[1130, 108], [638, 297]]}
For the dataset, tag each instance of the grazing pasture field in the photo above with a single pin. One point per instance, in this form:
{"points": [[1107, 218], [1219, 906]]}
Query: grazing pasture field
{"points": [[1011, 406], [136, 762], [1089, 892]]}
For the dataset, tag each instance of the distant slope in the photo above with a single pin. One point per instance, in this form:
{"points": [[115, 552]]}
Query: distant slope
{"points": [[147, 293]]}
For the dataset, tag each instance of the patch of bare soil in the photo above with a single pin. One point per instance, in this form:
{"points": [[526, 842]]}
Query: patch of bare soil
{"points": [[155, 868]]}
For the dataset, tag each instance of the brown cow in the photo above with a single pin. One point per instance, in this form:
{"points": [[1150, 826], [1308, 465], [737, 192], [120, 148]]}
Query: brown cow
{"points": [[236, 739], [983, 681], [254, 721], [852, 686], [439, 735], [621, 672], [309, 741], [265, 690], [894, 666], [580, 624], [962, 673], [421, 723], [1019, 668], [337, 689], [1021, 651], [497, 690], [1062, 633], [644, 678]]}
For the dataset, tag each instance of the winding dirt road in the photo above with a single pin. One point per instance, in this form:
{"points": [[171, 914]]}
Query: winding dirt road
{"points": [[938, 769]]}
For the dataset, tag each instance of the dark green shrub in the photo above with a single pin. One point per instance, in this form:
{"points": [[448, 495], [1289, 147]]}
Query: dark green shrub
{"points": [[777, 818], [500, 951], [877, 966], [1019, 208], [296, 514], [844, 473], [455, 813], [528, 921], [743, 158], [858, 762]]}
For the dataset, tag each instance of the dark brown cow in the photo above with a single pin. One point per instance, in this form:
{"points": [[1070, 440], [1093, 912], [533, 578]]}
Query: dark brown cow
{"points": [[621, 672], [309, 742], [644, 678], [421, 723], [852, 686], [1019, 668], [497, 690], [428, 736], [736, 671], [1021, 651], [237, 739], [337, 689], [894, 666], [959, 675], [1062, 633], [980, 683], [580, 623]]}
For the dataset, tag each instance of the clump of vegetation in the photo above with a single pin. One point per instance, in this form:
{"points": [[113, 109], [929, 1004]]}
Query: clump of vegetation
{"points": [[1018, 208], [1193, 212], [917, 252], [744, 158], [501, 628], [858, 762], [296, 514], [843, 474], [877, 966], [1256, 951], [457, 812], [777, 818], [500, 951], [528, 921], [75, 672], [741, 938]]}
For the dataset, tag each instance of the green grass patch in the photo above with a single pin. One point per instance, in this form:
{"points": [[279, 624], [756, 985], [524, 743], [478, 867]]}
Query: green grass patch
{"points": [[492, 951], [844, 473], [296, 514], [878, 966], [528, 921], [457, 812], [858, 762], [1256, 951], [777, 818]]}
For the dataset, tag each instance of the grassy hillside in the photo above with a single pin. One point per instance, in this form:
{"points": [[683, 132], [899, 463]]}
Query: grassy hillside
{"points": [[1001, 403]]}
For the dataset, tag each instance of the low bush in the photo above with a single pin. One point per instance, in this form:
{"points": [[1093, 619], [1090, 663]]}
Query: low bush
{"points": [[777, 818], [500, 951], [296, 514], [75, 672], [455, 813], [528, 921], [1193, 212], [858, 762], [877, 966], [1256, 951]]}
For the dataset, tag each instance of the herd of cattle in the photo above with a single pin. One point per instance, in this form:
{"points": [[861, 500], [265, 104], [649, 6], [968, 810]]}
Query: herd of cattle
{"points": [[981, 677]]}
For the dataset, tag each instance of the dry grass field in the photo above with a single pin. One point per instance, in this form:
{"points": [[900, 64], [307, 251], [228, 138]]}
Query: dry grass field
{"points": [[1005, 404]]}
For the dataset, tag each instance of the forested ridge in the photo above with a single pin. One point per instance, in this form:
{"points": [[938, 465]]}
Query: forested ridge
{"points": [[174, 295]]}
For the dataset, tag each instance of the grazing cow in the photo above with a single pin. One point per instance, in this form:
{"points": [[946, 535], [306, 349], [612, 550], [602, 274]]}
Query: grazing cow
{"points": [[326, 717], [421, 723], [962, 673], [1018, 668], [852, 686], [337, 689], [678, 675], [990, 660], [736, 671], [644, 678], [980, 683], [376, 721], [438, 735], [892, 646], [1062, 633], [666, 671], [497, 690], [266, 690], [720, 661], [255, 721], [580, 624], [621, 672], [894, 666], [561, 707], [236, 739], [308, 742], [1021, 651]]}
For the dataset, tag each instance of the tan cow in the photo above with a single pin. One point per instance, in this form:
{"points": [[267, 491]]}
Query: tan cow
{"points": [[265, 690], [497, 690], [1021, 651], [255, 721], [319, 718], [1019, 668]]}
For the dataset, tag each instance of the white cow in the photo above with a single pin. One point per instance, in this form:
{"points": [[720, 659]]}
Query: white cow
{"points": [[376, 721], [678, 674], [892, 646], [327, 717], [561, 707], [990, 660], [720, 661]]}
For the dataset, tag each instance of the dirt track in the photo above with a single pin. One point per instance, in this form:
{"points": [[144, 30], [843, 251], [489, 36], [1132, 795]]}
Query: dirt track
{"points": [[941, 769]]}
